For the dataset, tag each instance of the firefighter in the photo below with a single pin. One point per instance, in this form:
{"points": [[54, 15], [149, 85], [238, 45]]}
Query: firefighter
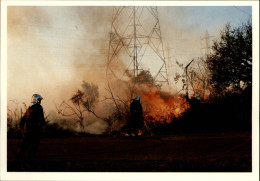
{"points": [[136, 120], [32, 125]]}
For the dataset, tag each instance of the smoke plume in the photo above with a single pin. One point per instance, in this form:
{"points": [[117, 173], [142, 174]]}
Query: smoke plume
{"points": [[52, 50]]}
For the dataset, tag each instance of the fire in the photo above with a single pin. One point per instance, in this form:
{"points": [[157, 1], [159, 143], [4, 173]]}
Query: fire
{"points": [[161, 107]]}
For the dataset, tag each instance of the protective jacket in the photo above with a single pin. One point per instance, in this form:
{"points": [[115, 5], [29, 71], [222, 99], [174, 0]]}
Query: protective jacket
{"points": [[136, 108], [33, 120]]}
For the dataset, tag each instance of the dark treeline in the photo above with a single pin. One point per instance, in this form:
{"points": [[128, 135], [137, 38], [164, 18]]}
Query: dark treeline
{"points": [[230, 113], [229, 106]]}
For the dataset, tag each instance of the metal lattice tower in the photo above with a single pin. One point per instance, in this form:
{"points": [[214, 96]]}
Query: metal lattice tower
{"points": [[136, 44], [207, 43]]}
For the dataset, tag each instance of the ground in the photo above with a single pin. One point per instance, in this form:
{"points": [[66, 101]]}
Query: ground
{"points": [[218, 152]]}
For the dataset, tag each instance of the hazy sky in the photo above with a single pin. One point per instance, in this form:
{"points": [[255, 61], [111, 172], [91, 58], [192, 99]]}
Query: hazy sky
{"points": [[51, 50]]}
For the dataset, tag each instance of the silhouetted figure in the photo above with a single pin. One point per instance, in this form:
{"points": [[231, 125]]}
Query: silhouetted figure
{"points": [[32, 125], [195, 101], [136, 120]]}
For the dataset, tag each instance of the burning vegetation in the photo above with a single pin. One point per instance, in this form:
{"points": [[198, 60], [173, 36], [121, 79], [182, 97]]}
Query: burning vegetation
{"points": [[159, 107], [230, 94], [162, 107]]}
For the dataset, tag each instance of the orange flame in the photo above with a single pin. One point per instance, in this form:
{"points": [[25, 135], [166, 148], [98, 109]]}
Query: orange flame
{"points": [[162, 107]]}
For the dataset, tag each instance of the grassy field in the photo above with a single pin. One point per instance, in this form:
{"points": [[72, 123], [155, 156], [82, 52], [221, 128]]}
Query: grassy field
{"points": [[218, 152]]}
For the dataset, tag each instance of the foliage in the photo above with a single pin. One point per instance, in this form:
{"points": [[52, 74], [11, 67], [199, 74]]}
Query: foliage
{"points": [[81, 102], [196, 79], [230, 64], [15, 114], [90, 95], [144, 77], [228, 68]]}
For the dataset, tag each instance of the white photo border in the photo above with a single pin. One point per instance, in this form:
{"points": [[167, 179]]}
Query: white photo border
{"points": [[96, 176]]}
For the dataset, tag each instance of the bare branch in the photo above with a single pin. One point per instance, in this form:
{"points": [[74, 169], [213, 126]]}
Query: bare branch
{"points": [[61, 111], [113, 98], [96, 115]]}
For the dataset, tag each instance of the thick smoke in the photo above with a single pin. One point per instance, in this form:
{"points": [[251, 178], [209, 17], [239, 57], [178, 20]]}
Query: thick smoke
{"points": [[51, 50]]}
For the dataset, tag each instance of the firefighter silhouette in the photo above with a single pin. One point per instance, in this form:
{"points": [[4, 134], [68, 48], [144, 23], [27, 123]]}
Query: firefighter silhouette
{"points": [[136, 119], [32, 125]]}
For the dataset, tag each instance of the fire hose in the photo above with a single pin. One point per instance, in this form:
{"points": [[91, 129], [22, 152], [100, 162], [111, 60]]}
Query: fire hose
{"points": [[148, 129]]}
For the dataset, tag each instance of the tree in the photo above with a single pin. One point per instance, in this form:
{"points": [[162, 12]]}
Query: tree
{"points": [[194, 77], [145, 77], [74, 108], [80, 103], [230, 64]]}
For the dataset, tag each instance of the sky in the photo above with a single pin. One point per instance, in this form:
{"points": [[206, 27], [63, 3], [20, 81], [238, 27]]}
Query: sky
{"points": [[51, 50]]}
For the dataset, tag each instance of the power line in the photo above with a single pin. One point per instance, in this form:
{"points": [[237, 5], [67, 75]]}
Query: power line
{"points": [[243, 11]]}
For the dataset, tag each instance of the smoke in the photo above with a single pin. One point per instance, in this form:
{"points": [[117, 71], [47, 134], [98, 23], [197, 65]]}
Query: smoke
{"points": [[51, 50]]}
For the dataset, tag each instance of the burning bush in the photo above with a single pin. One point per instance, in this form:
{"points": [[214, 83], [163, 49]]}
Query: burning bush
{"points": [[162, 107], [159, 107]]}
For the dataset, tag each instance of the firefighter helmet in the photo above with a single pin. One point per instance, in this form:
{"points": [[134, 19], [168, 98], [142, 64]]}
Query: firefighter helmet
{"points": [[137, 98], [36, 98]]}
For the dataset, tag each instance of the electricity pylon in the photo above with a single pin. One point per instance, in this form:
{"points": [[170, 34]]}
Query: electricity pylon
{"points": [[207, 43], [136, 44]]}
